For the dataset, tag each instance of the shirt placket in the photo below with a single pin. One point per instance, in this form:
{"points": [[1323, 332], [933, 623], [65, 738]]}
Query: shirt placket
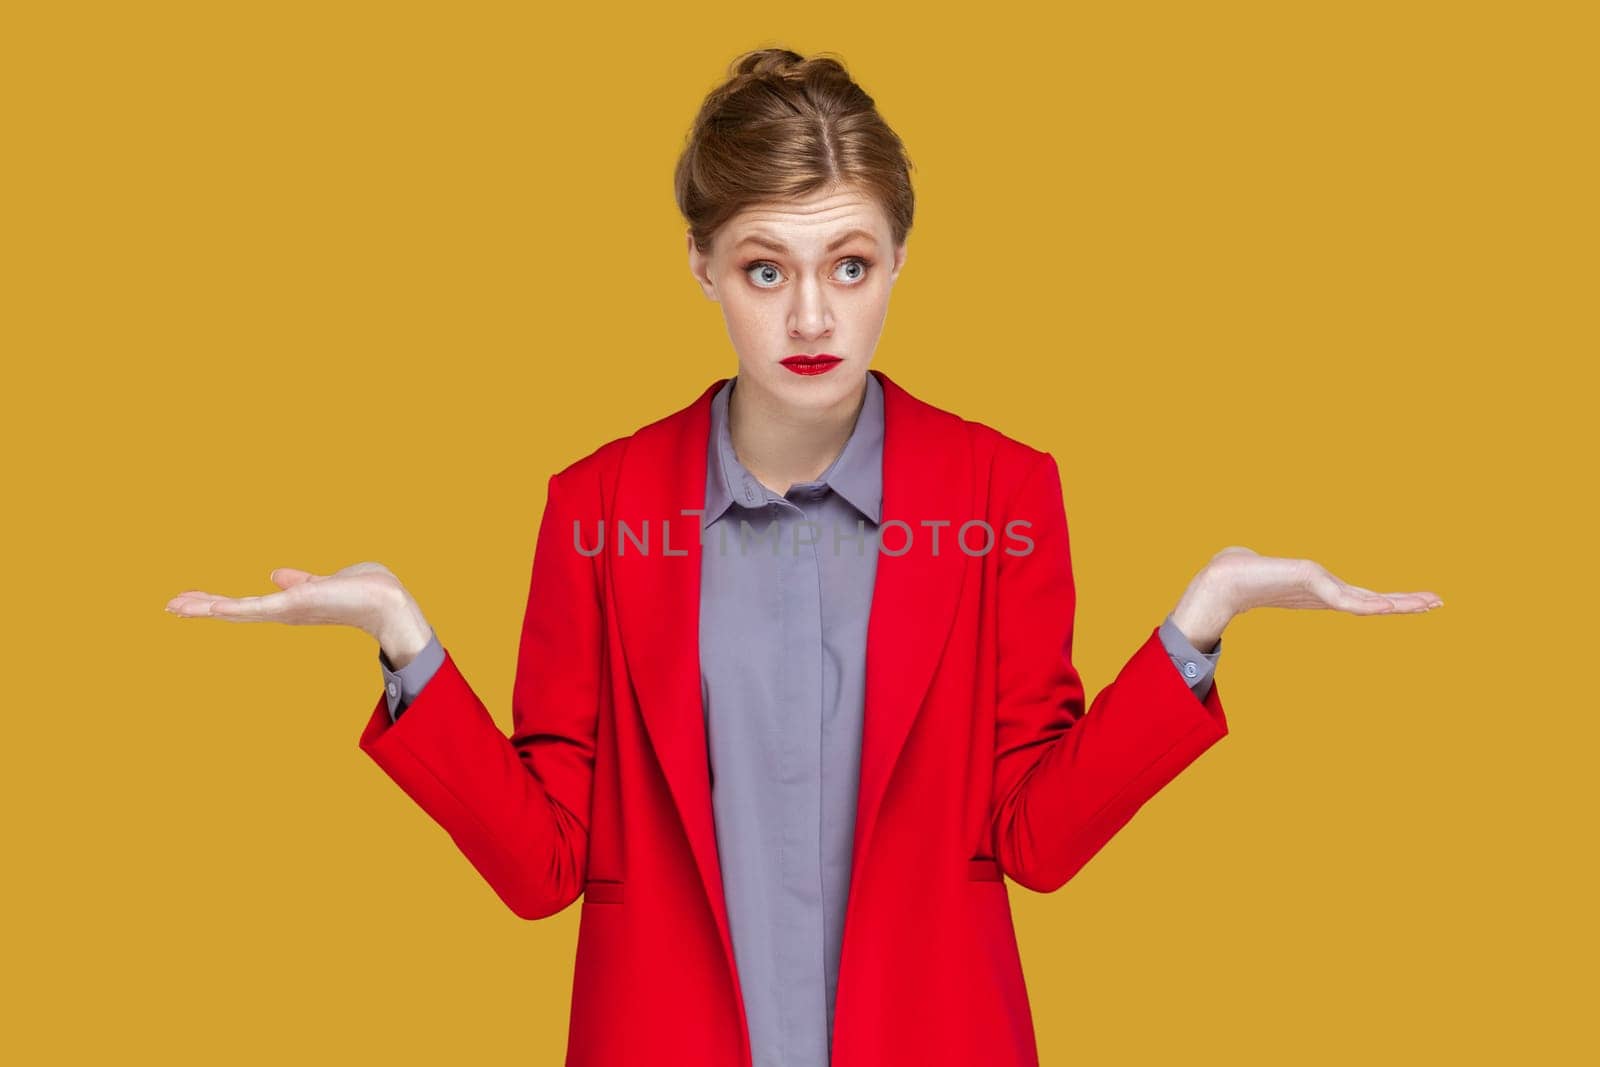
{"points": [[802, 995]]}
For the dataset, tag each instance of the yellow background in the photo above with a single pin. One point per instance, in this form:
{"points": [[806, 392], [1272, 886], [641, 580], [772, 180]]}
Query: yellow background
{"points": [[304, 284]]}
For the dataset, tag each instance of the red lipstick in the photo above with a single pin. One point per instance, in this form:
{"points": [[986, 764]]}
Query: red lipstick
{"points": [[820, 363]]}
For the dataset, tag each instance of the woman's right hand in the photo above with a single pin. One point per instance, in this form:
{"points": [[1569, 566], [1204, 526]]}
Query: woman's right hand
{"points": [[366, 596]]}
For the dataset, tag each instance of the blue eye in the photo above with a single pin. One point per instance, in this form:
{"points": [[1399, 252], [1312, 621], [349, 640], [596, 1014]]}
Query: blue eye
{"points": [[768, 272]]}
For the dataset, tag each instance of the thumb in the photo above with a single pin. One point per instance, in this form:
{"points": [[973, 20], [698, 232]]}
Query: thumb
{"points": [[288, 577]]}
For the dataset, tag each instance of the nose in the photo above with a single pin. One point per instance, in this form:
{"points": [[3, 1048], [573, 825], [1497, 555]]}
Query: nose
{"points": [[810, 316]]}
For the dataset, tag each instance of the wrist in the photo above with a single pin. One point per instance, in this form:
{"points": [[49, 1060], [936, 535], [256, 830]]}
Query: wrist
{"points": [[403, 632], [1204, 610]]}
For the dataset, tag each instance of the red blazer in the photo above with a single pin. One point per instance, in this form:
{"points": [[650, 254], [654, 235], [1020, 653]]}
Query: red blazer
{"points": [[978, 759]]}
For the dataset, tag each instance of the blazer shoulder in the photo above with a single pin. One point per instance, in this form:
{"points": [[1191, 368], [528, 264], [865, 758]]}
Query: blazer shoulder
{"points": [[1006, 449], [991, 449], [597, 466], [587, 484], [1005, 461], [597, 471], [1001, 464], [593, 477]]}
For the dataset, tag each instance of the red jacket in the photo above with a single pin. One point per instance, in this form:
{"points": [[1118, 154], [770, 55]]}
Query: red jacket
{"points": [[978, 758]]}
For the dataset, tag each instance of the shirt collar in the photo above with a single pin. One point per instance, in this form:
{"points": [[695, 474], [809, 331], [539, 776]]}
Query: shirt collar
{"points": [[856, 474]]}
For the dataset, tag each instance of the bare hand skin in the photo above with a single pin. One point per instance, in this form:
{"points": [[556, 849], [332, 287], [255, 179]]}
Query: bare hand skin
{"points": [[366, 596], [370, 598], [1238, 579]]}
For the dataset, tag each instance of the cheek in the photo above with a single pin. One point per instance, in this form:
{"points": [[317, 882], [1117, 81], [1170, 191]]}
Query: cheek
{"points": [[868, 306], [749, 318], [880, 302]]}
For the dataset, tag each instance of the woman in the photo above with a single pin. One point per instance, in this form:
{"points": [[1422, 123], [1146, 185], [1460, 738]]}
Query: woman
{"points": [[789, 827]]}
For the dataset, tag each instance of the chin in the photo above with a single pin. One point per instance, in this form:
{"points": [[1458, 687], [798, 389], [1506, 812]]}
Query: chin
{"points": [[840, 372], [811, 391], [824, 389]]}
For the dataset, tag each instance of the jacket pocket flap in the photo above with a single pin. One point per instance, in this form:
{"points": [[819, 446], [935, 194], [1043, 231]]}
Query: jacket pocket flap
{"points": [[602, 891], [983, 869]]}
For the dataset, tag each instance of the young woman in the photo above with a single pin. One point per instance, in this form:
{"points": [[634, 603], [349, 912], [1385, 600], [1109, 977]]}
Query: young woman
{"points": [[794, 692]]}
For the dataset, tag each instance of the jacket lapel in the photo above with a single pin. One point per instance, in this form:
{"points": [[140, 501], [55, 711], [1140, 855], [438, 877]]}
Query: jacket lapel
{"points": [[657, 595], [927, 476]]}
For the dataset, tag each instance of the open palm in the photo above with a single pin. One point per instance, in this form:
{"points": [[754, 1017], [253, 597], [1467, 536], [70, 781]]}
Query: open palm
{"points": [[358, 595], [1257, 581]]}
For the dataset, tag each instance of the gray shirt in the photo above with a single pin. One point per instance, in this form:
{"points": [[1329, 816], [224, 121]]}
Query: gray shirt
{"points": [[785, 596]]}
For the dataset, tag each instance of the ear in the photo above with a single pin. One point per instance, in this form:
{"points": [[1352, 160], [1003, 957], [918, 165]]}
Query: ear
{"points": [[700, 267], [899, 261]]}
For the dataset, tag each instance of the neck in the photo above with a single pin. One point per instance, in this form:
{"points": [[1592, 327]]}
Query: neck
{"points": [[782, 446]]}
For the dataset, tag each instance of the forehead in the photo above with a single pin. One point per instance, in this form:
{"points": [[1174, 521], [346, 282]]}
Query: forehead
{"points": [[811, 221]]}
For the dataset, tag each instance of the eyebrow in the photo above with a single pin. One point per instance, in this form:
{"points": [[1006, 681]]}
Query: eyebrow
{"points": [[780, 248]]}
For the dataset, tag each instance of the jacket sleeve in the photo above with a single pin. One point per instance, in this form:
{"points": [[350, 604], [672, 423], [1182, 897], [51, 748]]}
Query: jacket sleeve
{"points": [[1067, 780], [517, 807]]}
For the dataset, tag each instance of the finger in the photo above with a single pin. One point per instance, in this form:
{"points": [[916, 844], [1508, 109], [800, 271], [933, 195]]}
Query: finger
{"points": [[1415, 601], [190, 602], [1346, 597], [250, 608], [1423, 601], [200, 604], [1369, 594]]}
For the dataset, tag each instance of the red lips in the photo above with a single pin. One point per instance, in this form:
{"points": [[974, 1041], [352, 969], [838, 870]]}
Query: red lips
{"points": [[817, 364]]}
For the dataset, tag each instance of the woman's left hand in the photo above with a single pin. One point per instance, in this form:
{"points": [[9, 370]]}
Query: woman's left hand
{"points": [[1238, 579]]}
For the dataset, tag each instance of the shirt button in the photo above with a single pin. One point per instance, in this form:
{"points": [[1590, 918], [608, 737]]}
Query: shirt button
{"points": [[394, 690], [1190, 670]]}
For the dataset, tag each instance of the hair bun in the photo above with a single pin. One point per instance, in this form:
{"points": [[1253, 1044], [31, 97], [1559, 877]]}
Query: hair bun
{"points": [[783, 126], [769, 60]]}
